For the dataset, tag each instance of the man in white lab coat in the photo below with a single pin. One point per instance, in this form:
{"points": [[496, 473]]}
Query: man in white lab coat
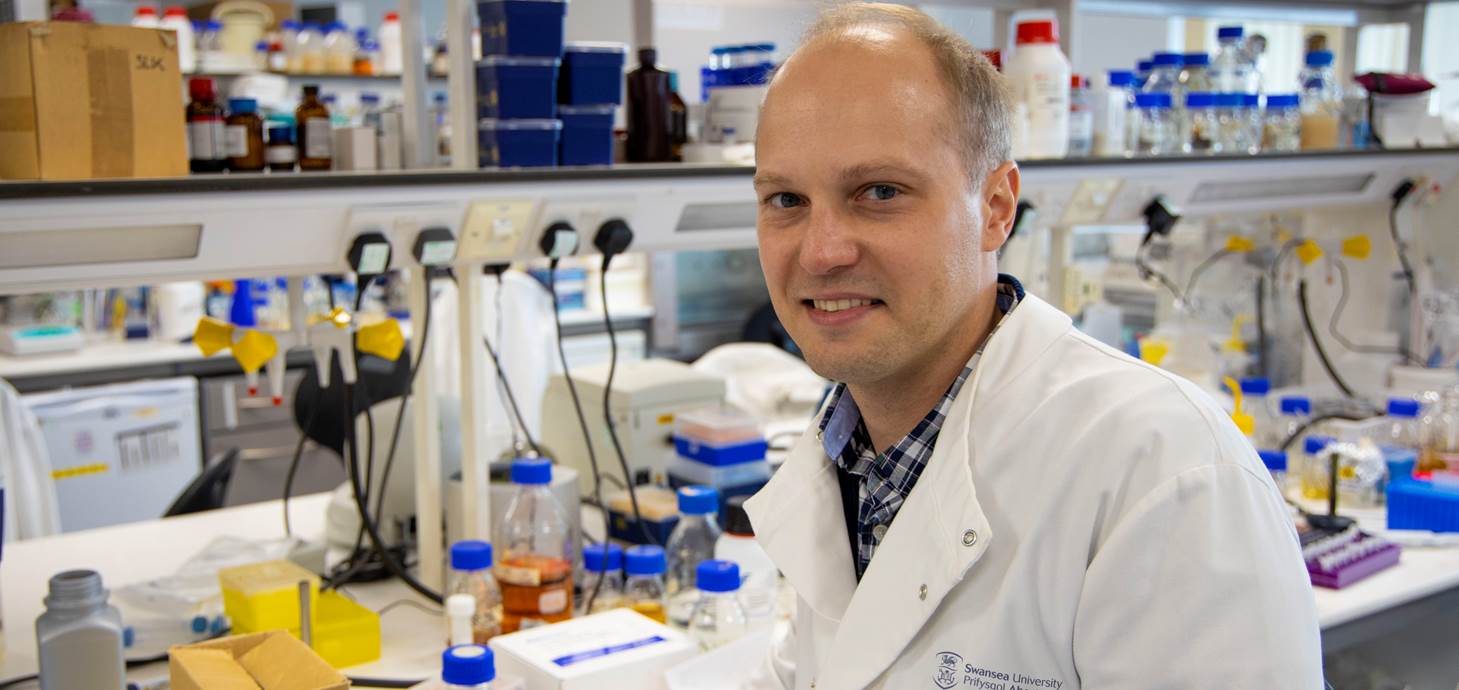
{"points": [[989, 498]]}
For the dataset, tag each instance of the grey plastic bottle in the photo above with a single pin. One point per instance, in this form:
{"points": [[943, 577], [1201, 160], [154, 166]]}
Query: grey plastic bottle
{"points": [[80, 636]]}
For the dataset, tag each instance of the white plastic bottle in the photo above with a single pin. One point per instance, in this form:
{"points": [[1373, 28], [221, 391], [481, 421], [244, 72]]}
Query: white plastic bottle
{"points": [[391, 61], [311, 49], [79, 637], [760, 577], [1039, 74], [1112, 100], [145, 17], [175, 18]]}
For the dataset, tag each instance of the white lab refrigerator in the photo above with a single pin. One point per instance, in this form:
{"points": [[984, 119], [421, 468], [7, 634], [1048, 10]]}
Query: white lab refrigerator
{"points": [[120, 453]]}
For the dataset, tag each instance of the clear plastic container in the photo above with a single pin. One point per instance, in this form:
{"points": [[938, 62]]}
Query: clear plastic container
{"points": [[644, 591], [1195, 73], [717, 476], [1114, 101], [718, 618], [310, 44], [1143, 70], [1252, 124], [289, 38], [1081, 117], [1230, 128], [601, 563], [1403, 424], [1164, 74], [471, 563], [1281, 123], [535, 570], [210, 47], [1293, 413], [1321, 103], [1233, 70], [1440, 436], [1276, 463], [717, 426], [1159, 135], [691, 543], [1254, 392], [339, 49], [1315, 470], [1200, 127]]}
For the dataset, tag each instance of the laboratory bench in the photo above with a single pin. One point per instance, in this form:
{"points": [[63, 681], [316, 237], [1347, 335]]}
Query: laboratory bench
{"points": [[1425, 582]]}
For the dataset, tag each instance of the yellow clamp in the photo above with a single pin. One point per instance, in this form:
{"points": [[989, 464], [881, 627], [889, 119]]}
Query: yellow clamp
{"points": [[1236, 344], [1357, 247], [1154, 350], [254, 350], [1309, 252], [213, 336], [1236, 244], [1245, 422], [383, 339]]}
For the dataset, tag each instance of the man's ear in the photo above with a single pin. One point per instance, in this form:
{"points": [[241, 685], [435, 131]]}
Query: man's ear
{"points": [[1000, 205]]}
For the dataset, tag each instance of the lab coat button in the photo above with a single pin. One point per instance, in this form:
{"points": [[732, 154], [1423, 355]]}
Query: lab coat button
{"points": [[879, 532], [970, 537], [922, 592]]}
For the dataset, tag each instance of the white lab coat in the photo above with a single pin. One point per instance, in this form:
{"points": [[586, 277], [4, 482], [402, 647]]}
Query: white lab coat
{"points": [[1086, 521], [31, 507]]}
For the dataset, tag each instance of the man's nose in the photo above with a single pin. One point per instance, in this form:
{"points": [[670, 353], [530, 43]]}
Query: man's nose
{"points": [[828, 243]]}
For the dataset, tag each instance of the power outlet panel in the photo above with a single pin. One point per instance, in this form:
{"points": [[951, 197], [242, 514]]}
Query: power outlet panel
{"points": [[401, 223], [494, 231]]}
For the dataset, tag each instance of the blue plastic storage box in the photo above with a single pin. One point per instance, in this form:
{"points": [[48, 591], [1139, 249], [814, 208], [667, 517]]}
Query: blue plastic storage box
{"points": [[518, 143], [719, 456], [1420, 505], [592, 74], [587, 134], [516, 88], [521, 27]]}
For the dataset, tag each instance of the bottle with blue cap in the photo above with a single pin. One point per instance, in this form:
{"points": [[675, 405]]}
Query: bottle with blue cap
{"points": [[1439, 435], [644, 590], [717, 618], [1233, 68], [1315, 468], [471, 563], [691, 543], [1293, 413], [467, 667], [535, 570], [602, 586], [1321, 102], [1403, 423], [1165, 75], [1276, 463], [1254, 392]]}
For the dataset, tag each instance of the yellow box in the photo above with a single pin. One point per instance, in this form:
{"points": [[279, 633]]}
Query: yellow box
{"points": [[345, 633], [265, 596]]}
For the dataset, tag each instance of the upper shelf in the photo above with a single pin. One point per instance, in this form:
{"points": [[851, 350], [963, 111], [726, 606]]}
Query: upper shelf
{"points": [[60, 235], [1033, 170]]}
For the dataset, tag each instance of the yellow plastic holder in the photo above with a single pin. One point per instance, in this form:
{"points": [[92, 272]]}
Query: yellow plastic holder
{"points": [[383, 339], [265, 596], [1236, 244], [1357, 247], [254, 350], [1308, 252], [345, 633], [213, 336]]}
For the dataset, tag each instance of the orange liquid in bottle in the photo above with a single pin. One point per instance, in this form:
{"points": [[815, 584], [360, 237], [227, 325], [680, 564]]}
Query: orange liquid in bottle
{"points": [[534, 588]]}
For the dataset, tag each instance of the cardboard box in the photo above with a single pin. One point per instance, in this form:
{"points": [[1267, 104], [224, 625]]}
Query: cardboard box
{"points": [[261, 661], [84, 101], [614, 650]]}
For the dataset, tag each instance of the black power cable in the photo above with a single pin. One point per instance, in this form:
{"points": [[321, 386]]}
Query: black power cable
{"points": [[1261, 348], [577, 405], [1317, 344], [1400, 193], [298, 457]]}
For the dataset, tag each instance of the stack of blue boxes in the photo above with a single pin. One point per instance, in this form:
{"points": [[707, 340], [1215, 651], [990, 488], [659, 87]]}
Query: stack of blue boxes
{"points": [[516, 82], [523, 75], [723, 449], [590, 89]]}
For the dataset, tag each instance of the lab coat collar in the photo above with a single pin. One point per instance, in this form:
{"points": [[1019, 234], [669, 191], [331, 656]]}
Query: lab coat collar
{"points": [[937, 537]]}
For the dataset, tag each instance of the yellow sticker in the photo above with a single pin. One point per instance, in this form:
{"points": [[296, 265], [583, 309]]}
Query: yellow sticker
{"points": [[1308, 252], [1357, 247], [79, 471]]}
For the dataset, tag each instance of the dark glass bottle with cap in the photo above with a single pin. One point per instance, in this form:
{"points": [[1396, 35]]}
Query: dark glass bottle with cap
{"points": [[313, 134], [650, 138], [79, 637]]}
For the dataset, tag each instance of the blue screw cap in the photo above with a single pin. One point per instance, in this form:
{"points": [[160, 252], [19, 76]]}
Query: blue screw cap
{"points": [[468, 664], [531, 471], [1402, 407], [471, 555], [717, 576], [1275, 460], [698, 500], [600, 558], [646, 560]]}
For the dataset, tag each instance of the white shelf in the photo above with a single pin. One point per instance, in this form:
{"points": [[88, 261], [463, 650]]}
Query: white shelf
{"points": [[301, 224]]}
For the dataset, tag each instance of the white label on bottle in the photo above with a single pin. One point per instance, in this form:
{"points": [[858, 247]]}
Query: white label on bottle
{"points": [[205, 140], [514, 575], [319, 138], [553, 601], [237, 141], [279, 154], [1048, 115]]}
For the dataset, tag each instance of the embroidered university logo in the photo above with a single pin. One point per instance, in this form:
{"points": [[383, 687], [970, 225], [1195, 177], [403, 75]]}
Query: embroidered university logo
{"points": [[947, 665]]}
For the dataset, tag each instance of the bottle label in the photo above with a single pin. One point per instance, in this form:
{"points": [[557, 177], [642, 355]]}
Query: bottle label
{"points": [[516, 575], [319, 138], [237, 141], [279, 154], [552, 601], [205, 139]]}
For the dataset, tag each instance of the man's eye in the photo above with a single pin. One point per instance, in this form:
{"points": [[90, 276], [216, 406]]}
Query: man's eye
{"points": [[785, 200], [881, 192]]}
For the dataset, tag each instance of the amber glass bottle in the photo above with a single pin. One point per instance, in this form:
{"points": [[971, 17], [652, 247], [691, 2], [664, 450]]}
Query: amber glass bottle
{"points": [[245, 136], [313, 133]]}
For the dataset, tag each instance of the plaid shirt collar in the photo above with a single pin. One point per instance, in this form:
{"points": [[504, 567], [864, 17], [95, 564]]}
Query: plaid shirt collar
{"points": [[887, 478]]}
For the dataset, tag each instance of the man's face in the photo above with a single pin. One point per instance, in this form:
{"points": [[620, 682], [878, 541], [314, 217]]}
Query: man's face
{"points": [[871, 233]]}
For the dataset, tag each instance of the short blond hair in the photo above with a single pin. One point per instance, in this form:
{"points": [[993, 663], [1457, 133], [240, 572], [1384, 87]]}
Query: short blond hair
{"points": [[981, 97]]}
